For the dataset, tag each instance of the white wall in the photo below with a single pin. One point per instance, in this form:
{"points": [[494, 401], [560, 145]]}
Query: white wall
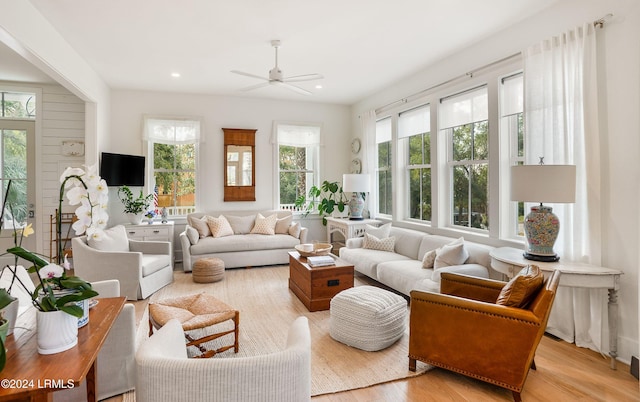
{"points": [[619, 89]]}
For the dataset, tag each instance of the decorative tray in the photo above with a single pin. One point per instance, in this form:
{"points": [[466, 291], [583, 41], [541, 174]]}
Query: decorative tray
{"points": [[318, 249]]}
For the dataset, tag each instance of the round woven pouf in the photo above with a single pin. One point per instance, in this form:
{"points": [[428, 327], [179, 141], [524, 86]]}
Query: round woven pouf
{"points": [[208, 270]]}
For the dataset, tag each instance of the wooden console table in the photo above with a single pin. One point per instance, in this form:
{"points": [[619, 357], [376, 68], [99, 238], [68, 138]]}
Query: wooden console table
{"points": [[509, 261], [30, 376]]}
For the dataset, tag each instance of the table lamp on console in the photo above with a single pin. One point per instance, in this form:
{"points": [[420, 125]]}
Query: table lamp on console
{"points": [[542, 183], [356, 184]]}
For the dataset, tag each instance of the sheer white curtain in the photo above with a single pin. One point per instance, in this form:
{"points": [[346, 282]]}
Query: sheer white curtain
{"points": [[561, 125], [369, 154]]}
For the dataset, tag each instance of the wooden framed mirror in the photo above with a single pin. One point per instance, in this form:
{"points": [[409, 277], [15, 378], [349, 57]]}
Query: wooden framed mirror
{"points": [[239, 164]]}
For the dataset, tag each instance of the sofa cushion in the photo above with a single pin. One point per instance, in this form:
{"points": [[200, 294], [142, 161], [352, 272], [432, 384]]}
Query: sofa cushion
{"points": [[114, 239], [476, 270], [265, 226], [201, 225], [379, 232], [219, 226], [366, 261], [248, 242], [429, 258], [294, 229], [453, 253], [373, 243], [192, 235], [402, 275], [407, 241], [241, 224], [282, 224], [152, 263], [519, 291]]}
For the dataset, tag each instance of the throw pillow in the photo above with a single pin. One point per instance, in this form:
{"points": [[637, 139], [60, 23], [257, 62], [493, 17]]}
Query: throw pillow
{"points": [[450, 254], [429, 258], [200, 224], [282, 224], [219, 227], [294, 229], [379, 232], [265, 226], [241, 224], [373, 243], [114, 239], [192, 235], [521, 289]]}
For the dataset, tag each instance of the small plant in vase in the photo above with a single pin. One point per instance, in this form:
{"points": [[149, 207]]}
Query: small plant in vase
{"points": [[150, 215], [135, 207], [325, 199]]}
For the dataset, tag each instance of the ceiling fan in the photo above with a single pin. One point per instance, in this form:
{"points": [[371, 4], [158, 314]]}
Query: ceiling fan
{"points": [[276, 77]]}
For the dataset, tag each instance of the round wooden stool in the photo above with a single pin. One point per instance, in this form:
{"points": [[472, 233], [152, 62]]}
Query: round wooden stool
{"points": [[208, 270]]}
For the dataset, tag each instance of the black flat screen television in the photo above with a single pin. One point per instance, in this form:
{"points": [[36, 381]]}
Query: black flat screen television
{"points": [[122, 170]]}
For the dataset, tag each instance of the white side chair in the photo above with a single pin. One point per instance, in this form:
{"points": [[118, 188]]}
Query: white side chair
{"points": [[164, 373], [116, 363], [142, 267]]}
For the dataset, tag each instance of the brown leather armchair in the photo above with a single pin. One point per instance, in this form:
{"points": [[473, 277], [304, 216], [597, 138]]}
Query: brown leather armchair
{"points": [[463, 330]]}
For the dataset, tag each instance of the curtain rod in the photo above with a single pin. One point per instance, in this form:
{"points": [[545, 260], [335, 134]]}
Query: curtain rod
{"points": [[599, 23]]}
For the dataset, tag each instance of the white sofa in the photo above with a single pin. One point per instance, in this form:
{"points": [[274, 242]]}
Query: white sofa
{"points": [[402, 269], [164, 373], [242, 248]]}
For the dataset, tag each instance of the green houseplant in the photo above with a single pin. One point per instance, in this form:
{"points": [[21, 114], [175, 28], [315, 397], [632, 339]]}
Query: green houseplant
{"points": [[324, 199], [5, 300], [134, 206]]}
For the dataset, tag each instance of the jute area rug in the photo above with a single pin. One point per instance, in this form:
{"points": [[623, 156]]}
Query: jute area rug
{"points": [[267, 309]]}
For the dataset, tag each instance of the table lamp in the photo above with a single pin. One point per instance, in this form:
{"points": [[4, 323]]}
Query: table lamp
{"points": [[542, 183], [357, 184]]}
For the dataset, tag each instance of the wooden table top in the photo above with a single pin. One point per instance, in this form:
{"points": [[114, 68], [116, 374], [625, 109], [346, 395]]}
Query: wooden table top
{"points": [[30, 373]]}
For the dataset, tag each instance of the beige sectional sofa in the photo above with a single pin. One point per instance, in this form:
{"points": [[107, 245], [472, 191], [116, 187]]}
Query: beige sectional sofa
{"points": [[239, 247], [402, 269]]}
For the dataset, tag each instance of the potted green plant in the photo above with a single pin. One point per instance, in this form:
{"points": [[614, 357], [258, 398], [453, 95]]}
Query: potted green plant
{"points": [[5, 300], [134, 207], [325, 199]]}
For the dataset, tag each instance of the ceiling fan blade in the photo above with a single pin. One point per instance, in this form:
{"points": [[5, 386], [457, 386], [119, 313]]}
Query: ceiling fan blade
{"points": [[293, 88], [250, 75], [304, 77], [252, 87]]}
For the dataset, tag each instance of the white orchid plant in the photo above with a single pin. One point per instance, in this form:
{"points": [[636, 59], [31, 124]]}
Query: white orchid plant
{"points": [[86, 189]]}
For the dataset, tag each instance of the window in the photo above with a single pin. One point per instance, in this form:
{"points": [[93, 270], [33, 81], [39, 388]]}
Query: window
{"points": [[383, 170], [414, 129], [173, 148], [298, 156], [14, 167], [511, 123], [464, 122], [17, 105]]}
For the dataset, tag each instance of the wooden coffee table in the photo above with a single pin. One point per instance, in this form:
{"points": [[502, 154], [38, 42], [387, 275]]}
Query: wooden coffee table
{"points": [[316, 286]]}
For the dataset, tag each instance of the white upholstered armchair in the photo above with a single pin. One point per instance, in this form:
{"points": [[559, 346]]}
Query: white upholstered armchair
{"points": [[142, 267], [164, 373]]}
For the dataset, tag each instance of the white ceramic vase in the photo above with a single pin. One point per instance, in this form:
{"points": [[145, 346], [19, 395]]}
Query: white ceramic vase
{"points": [[56, 331], [136, 219]]}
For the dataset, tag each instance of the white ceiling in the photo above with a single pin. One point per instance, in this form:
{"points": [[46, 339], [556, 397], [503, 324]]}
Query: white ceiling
{"points": [[360, 46]]}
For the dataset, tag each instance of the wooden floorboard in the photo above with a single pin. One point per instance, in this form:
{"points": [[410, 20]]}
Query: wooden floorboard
{"points": [[564, 373]]}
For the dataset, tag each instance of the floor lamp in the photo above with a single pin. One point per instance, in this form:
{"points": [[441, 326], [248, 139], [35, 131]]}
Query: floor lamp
{"points": [[356, 184], [542, 183]]}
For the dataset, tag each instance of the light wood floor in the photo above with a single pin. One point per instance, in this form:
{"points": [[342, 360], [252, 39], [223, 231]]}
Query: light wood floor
{"points": [[564, 373]]}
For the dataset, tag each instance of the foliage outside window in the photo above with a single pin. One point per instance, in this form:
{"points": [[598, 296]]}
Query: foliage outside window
{"points": [[298, 154], [14, 168], [383, 169], [465, 118], [173, 148], [17, 105], [414, 129]]}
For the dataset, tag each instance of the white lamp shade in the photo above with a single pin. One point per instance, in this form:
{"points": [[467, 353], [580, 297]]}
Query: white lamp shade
{"points": [[355, 183], [543, 183]]}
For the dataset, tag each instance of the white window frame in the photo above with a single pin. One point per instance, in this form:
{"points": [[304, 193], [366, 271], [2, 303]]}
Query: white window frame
{"points": [[190, 135], [384, 135], [312, 142]]}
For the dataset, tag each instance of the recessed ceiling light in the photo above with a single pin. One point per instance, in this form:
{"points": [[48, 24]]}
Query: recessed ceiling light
{"points": [[175, 75], [318, 86]]}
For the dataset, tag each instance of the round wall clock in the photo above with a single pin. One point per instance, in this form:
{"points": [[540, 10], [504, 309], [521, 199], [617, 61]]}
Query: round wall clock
{"points": [[356, 166], [355, 146]]}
